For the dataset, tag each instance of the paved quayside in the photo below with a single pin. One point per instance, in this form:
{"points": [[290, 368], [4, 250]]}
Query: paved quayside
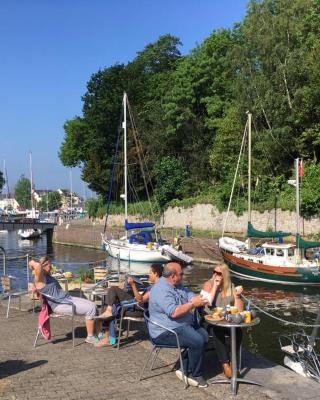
{"points": [[56, 371]]}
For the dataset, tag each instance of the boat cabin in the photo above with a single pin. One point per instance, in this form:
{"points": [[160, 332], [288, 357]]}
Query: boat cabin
{"points": [[280, 251], [145, 237]]}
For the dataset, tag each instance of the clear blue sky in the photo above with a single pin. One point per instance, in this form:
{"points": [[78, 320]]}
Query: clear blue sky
{"points": [[50, 48]]}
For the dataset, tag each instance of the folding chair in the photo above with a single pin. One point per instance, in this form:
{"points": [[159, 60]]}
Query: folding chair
{"points": [[156, 348], [9, 292], [125, 309], [45, 297]]}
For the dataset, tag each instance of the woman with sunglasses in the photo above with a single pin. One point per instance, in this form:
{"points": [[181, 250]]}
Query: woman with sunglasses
{"points": [[223, 294]]}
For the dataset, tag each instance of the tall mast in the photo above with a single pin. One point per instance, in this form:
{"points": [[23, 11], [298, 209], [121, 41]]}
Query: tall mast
{"points": [[125, 156], [297, 161], [249, 170], [71, 189], [33, 214]]}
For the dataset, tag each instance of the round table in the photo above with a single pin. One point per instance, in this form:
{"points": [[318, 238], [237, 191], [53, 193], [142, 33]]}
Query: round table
{"points": [[232, 326]]}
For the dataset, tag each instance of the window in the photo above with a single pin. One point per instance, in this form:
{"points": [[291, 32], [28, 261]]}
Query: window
{"points": [[279, 252], [291, 252]]}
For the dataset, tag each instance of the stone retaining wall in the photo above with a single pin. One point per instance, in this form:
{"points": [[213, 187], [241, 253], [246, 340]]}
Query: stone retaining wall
{"points": [[206, 216]]}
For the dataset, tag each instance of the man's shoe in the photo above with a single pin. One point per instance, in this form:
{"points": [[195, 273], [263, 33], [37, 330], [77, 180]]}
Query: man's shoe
{"points": [[179, 375], [197, 381]]}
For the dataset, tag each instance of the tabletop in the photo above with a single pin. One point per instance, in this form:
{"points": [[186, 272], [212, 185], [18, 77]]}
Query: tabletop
{"points": [[226, 324]]}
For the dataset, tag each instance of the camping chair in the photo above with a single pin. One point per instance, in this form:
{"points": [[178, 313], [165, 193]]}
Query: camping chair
{"points": [[9, 292], [129, 311], [156, 348], [44, 298]]}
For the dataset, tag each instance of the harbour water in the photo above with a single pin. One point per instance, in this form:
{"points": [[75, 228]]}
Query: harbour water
{"points": [[289, 303]]}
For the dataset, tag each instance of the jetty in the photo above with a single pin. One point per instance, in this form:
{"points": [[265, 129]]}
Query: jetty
{"points": [[55, 370]]}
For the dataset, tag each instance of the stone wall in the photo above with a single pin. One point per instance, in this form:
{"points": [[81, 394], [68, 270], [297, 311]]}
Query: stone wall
{"points": [[206, 216]]}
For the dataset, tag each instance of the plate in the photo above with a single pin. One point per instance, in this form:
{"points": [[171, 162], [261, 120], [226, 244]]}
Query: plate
{"points": [[210, 318]]}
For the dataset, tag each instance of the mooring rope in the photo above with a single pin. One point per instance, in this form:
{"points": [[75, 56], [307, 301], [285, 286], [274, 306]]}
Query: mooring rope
{"points": [[301, 324]]}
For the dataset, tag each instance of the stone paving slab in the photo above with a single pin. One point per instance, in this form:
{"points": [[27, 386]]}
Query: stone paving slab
{"points": [[55, 370]]}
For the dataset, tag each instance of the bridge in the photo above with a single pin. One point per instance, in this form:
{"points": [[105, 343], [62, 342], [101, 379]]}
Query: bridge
{"points": [[8, 225], [25, 223]]}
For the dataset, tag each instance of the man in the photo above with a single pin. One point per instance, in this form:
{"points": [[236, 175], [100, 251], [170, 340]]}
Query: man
{"points": [[171, 305]]}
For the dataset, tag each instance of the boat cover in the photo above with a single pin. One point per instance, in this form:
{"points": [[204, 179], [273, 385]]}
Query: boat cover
{"points": [[304, 244], [137, 225], [252, 232]]}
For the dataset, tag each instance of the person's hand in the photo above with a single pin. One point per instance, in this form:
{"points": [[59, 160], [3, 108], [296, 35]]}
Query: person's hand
{"points": [[198, 301], [217, 281], [238, 290], [130, 281]]}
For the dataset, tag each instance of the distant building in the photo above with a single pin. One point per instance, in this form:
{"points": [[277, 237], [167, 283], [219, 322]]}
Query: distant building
{"points": [[41, 194], [8, 202], [66, 198]]}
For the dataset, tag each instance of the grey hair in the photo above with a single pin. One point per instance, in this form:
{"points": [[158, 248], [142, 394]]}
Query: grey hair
{"points": [[167, 271]]}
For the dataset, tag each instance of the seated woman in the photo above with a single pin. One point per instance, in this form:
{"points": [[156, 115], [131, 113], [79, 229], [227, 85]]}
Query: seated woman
{"points": [[116, 295], [47, 284], [224, 293]]}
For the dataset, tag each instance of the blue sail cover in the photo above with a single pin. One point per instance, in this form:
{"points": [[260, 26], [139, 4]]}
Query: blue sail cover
{"points": [[137, 225]]}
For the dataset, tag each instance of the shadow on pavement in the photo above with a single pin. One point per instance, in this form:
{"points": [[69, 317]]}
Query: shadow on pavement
{"points": [[12, 367]]}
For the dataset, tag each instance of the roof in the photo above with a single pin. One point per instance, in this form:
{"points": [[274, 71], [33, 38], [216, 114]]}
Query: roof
{"points": [[273, 245]]}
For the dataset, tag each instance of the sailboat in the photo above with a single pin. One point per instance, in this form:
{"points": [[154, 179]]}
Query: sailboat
{"points": [[141, 241], [273, 261], [32, 233]]}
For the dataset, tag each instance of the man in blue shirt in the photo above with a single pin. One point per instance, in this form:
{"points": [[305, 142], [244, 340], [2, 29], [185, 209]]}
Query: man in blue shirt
{"points": [[171, 305]]}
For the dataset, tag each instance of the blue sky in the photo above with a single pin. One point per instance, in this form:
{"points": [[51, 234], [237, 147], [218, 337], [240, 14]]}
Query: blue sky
{"points": [[50, 48]]}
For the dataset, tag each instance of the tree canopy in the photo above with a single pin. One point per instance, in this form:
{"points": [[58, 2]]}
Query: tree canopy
{"points": [[2, 181], [192, 109], [23, 192]]}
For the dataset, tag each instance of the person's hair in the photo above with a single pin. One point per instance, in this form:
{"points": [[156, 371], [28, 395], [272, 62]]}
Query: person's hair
{"points": [[167, 271], [44, 260], [227, 288], [157, 269]]}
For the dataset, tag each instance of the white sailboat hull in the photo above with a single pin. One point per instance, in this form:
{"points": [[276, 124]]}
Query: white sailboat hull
{"points": [[29, 233], [135, 252], [142, 253]]}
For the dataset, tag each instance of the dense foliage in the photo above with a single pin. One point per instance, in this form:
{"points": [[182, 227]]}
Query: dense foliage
{"points": [[2, 181], [191, 111], [22, 192], [52, 201]]}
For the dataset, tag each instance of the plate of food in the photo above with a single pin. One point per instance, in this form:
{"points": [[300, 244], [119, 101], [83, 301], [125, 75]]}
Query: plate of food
{"points": [[213, 317]]}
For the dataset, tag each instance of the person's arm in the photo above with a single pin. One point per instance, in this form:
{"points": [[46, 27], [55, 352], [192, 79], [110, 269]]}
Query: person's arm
{"points": [[138, 296], [196, 301], [37, 268]]}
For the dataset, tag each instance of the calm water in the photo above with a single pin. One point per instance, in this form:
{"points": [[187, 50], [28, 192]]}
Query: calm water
{"points": [[289, 303]]}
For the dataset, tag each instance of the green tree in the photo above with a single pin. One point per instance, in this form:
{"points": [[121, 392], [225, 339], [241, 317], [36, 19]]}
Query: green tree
{"points": [[2, 181], [23, 192], [52, 201], [171, 181]]}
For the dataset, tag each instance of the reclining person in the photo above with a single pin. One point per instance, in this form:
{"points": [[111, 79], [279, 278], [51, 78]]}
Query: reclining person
{"points": [[117, 295], [47, 284], [170, 305]]}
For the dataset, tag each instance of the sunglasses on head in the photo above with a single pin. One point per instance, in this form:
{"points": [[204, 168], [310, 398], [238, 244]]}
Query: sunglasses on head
{"points": [[217, 273]]}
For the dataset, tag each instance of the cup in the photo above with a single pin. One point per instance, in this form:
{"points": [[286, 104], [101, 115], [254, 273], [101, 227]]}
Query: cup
{"points": [[234, 310], [247, 317]]}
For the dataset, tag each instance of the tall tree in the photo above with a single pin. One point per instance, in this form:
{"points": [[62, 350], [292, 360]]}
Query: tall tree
{"points": [[23, 192], [2, 180]]}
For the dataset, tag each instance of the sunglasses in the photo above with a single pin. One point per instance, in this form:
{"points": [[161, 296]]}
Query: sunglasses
{"points": [[217, 273]]}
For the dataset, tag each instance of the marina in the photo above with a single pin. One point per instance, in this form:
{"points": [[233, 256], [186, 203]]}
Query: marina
{"points": [[160, 200]]}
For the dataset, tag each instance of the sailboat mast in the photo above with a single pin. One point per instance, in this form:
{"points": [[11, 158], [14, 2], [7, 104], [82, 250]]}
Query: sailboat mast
{"points": [[249, 170], [31, 186], [125, 156], [297, 162]]}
